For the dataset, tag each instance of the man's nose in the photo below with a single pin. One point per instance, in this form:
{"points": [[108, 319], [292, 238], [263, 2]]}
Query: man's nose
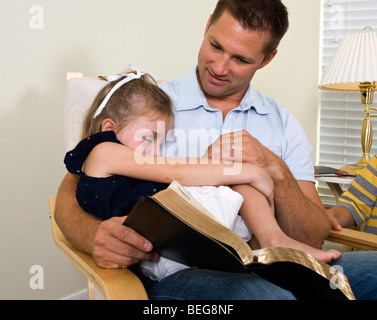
{"points": [[221, 66]]}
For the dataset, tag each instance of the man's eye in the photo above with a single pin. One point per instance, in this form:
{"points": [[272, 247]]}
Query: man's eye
{"points": [[242, 61], [215, 46]]}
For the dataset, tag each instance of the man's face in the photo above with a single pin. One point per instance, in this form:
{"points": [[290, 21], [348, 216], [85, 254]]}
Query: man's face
{"points": [[229, 57]]}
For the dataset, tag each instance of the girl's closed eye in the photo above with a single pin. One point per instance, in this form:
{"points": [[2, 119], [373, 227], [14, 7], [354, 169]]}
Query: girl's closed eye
{"points": [[148, 138]]}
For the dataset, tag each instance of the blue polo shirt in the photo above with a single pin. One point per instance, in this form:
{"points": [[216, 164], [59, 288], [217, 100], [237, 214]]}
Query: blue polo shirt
{"points": [[197, 125]]}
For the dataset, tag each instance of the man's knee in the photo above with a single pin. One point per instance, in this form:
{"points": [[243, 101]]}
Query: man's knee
{"points": [[197, 284]]}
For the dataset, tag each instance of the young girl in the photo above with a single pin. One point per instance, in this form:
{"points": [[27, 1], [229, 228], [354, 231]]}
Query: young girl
{"points": [[122, 127]]}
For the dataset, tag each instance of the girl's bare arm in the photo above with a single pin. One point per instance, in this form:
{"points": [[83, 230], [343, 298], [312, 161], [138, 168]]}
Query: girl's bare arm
{"points": [[108, 159]]}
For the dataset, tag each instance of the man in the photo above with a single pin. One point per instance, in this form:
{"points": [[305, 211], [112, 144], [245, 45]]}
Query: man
{"points": [[241, 37]]}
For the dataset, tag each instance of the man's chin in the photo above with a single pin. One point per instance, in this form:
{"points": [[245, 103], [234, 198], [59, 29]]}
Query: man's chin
{"points": [[213, 90]]}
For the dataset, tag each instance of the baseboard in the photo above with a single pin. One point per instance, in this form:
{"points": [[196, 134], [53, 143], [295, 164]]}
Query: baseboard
{"points": [[80, 295], [83, 295]]}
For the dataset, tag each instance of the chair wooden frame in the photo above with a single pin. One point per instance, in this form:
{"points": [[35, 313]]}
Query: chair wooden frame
{"points": [[116, 284], [113, 284], [354, 238]]}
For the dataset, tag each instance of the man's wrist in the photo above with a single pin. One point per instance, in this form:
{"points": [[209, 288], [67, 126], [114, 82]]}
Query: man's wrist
{"points": [[278, 170]]}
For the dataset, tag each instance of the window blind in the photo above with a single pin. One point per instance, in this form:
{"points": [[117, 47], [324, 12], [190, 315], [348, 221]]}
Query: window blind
{"points": [[342, 114]]}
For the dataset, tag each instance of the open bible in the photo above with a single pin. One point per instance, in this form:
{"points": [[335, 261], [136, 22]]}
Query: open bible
{"points": [[182, 230]]}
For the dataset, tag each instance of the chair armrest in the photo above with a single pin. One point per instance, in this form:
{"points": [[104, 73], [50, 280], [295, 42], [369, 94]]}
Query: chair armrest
{"points": [[354, 238], [114, 284]]}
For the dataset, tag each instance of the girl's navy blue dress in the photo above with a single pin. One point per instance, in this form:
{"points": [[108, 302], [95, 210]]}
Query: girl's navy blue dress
{"points": [[111, 196]]}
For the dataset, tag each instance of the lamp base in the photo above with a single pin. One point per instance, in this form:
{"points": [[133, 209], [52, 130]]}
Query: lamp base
{"points": [[353, 169], [357, 167]]}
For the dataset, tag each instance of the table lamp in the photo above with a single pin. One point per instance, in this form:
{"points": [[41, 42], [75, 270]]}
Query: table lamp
{"points": [[354, 68]]}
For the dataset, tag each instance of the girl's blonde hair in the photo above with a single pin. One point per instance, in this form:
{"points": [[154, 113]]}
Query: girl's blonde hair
{"points": [[136, 98]]}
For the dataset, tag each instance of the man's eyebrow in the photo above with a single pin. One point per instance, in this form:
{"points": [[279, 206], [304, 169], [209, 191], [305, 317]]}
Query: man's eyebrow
{"points": [[249, 60], [237, 56], [215, 42]]}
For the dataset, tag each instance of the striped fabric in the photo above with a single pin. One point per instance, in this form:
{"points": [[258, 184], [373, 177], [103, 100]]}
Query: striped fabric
{"points": [[360, 198]]}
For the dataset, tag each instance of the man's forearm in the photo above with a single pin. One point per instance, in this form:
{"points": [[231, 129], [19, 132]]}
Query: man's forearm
{"points": [[299, 210], [78, 226]]}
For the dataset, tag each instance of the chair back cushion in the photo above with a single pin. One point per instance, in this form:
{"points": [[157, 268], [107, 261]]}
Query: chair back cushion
{"points": [[79, 96]]}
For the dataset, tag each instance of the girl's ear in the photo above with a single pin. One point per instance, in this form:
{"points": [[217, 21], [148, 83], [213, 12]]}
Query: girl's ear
{"points": [[108, 125]]}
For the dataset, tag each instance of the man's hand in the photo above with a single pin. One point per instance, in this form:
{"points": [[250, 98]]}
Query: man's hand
{"points": [[240, 146], [117, 246], [111, 244]]}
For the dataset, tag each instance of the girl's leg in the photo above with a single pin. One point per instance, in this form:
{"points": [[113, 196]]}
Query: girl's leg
{"points": [[259, 217]]}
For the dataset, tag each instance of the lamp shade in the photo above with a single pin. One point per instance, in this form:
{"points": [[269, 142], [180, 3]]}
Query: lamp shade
{"points": [[354, 62]]}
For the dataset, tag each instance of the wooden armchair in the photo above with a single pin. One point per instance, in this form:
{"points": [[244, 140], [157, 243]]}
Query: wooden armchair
{"points": [[122, 283], [354, 239], [114, 284]]}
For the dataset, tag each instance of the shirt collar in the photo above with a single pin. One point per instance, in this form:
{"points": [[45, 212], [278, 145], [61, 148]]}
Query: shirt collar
{"points": [[192, 97]]}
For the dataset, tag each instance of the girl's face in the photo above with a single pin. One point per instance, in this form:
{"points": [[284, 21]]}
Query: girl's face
{"points": [[145, 134]]}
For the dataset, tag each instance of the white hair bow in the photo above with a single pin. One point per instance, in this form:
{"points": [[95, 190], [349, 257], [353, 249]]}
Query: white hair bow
{"points": [[127, 78]]}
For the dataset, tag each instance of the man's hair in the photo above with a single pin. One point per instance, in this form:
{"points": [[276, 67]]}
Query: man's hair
{"points": [[257, 15]]}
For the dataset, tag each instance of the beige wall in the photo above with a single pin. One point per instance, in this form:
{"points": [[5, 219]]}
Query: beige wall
{"points": [[293, 76], [97, 38]]}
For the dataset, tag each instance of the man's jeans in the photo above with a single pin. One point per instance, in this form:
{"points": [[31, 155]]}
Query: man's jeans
{"points": [[199, 284]]}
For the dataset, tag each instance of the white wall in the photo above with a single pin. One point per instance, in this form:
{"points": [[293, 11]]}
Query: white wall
{"points": [[101, 37], [293, 76]]}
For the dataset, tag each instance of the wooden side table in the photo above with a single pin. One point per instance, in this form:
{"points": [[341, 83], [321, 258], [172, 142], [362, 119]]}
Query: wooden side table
{"points": [[335, 182]]}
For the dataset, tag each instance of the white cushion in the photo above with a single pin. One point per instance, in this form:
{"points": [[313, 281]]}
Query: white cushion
{"points": [[79, 96]]}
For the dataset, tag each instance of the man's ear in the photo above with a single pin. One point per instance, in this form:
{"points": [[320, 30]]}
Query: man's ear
{"points": [[268, 59], [108, 125]]}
